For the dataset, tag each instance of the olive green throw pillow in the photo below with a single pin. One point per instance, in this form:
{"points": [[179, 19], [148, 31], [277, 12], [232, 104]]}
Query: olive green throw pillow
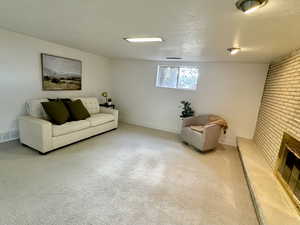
{"points": [[63, 100], [57, 112], [77, 110]]}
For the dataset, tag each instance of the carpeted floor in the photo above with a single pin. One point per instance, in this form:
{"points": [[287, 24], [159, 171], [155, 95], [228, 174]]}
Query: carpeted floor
{"points": [[131, 176]]}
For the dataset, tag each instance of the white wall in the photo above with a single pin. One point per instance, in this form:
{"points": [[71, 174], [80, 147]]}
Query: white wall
{"points": [[231, 90], [20, 74]]}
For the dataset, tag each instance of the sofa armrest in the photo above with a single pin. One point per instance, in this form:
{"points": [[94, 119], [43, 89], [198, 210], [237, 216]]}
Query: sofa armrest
{"points": [[36, 133], [114, 112], [211, 135]]}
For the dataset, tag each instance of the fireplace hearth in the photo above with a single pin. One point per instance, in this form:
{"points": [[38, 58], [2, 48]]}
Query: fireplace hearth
{"points": [[288, 167]]}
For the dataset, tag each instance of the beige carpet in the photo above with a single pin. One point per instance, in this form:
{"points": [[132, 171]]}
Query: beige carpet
{"points": [[131, 176]]}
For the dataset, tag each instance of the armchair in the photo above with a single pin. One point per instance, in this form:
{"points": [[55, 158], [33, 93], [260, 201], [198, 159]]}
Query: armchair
{"points": [[203, 139]]}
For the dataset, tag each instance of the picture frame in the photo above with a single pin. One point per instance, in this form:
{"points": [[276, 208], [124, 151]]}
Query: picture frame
{"points": [[60, 73]]}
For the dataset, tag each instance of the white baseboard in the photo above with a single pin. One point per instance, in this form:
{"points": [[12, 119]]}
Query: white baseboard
{"points": [[14, 134], [9, 136], [228, 142], [148, 125], [225, 141]]}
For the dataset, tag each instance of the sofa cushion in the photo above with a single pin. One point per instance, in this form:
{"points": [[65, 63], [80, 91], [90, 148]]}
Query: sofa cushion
{"points": [[90, 103], [34, 108], [69, 127], [57, 112], [100, 118]]}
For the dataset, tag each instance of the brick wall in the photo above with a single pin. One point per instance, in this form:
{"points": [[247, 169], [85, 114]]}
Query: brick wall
{"points": [[280, 106]]}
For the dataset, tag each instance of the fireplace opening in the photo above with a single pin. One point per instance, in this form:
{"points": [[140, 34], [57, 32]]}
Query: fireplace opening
{"points": [[288, 167]]}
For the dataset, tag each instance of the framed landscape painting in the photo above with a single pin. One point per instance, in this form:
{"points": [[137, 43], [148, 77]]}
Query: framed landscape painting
{"points": [[60, 73]]}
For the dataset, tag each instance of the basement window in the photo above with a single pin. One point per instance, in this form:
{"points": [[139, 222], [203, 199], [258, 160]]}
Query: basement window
{"points": [[178, 77]]}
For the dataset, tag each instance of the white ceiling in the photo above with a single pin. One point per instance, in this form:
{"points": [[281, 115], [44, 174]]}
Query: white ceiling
{"points": [[197, 30]]}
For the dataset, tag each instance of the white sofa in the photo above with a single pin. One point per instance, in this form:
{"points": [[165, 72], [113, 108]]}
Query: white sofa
{"points": [[38, 133]]}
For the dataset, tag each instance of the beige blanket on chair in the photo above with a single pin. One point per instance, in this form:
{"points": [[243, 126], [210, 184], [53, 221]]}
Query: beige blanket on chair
{"points": [[211, 121], [219, 121]]}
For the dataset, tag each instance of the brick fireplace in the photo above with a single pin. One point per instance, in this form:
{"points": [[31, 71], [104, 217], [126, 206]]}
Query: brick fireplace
{"points": [[280, 106], [276, 142], [277, 133]]}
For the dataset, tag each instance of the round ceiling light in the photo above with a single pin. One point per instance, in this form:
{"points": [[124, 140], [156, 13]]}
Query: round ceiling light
{"points": [[233, 51], [173, 58], [249, 6]]}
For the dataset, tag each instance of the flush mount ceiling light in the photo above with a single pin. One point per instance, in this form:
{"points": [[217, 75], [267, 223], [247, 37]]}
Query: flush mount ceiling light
{"points": [[174, 58], [249, 6], [233, 51], [144, 39]]}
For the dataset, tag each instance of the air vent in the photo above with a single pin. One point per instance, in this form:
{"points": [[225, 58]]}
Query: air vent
{"points": [[178, 58]]}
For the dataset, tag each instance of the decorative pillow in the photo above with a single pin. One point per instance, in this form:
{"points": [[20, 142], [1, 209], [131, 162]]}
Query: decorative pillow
{"points": [[57, 112], [63, 100], [90, 103], [53, 99], [77, 110]]}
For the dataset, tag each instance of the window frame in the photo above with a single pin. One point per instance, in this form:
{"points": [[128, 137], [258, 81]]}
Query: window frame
{"points": [[177, 80]]}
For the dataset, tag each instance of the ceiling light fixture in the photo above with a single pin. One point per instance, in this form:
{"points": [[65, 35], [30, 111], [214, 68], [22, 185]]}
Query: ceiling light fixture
{"points": [[174, 58], [143, 40], [233, 51], [249, 6]]}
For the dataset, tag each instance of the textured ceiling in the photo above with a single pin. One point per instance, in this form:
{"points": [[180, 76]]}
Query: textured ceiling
{"points": [[197, 30]]}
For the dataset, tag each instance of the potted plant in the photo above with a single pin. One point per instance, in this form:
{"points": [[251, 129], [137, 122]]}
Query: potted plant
{"points": [[187, 110]]}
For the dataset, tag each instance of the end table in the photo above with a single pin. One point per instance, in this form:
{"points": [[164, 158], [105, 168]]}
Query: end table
{"points": [[107, 105]]}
